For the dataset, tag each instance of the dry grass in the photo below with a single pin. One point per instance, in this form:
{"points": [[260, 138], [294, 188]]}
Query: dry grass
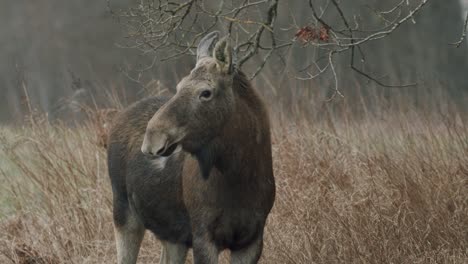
{"points": [[391, 190]]}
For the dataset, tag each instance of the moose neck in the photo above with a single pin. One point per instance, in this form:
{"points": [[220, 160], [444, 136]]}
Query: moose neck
{"points": [[243, 149]]}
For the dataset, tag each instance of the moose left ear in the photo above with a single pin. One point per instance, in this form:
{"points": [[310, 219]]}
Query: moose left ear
{"points": [[206, 45], [223, 54]]}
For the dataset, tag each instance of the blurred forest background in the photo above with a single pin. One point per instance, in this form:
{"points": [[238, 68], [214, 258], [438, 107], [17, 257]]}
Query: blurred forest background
{"points": [[61, 53]]}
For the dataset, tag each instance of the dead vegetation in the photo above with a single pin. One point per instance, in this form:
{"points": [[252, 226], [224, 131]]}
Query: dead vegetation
{"points": [[373, 190]]}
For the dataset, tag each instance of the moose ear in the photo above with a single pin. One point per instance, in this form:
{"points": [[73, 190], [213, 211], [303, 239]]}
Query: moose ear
{"points": [[223, 54], [206, 45]]}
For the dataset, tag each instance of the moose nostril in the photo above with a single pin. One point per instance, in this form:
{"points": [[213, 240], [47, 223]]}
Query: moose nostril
{"points": [[160, 151]]}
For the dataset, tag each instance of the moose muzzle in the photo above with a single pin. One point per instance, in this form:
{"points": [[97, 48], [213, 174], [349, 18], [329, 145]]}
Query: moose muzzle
{"points": [[158, 145]]}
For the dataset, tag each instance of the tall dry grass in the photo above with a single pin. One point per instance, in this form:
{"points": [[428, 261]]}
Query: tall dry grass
{"points": [[391, 188]]}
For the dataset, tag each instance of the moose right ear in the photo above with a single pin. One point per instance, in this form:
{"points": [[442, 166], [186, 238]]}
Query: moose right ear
{"points": [[206, 45], [223, 54]]}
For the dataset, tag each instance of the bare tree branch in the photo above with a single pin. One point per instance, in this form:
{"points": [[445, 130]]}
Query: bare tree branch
{"points": [[170, 29], [463, 35]]}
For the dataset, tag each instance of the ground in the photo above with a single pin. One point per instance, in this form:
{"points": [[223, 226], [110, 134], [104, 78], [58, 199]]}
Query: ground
{"points": [[392, 189]]}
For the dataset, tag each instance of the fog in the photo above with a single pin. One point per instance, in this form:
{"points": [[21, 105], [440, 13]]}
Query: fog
{"points": [[53, 51]]}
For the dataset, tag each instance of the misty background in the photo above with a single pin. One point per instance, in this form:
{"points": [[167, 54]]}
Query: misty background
{"points": [[56, 52]]}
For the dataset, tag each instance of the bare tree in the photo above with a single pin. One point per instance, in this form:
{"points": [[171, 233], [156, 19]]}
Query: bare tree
{"points": [[261, 29]]}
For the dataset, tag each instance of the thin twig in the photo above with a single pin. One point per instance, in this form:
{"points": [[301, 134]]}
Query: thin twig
{"points": [[463, 36]]}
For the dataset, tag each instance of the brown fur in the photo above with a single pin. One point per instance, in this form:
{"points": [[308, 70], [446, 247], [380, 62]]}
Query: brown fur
{"points": [[218, 191]]}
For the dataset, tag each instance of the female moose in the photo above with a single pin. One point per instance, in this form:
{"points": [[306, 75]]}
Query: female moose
{"points": [[200, 175]]}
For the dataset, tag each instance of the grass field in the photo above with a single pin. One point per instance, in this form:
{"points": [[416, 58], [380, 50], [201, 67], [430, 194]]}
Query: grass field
{"points": [[392, 189]]}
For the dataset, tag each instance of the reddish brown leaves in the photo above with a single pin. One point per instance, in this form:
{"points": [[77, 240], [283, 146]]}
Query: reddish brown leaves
{"points": [[324, 34], [308, 34]]}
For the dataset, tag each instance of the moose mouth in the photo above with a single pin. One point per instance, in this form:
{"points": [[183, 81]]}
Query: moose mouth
{"points": [[167, 150]]}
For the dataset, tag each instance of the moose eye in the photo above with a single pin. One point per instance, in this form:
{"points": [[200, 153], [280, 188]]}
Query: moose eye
{"points": [[206, 94]]}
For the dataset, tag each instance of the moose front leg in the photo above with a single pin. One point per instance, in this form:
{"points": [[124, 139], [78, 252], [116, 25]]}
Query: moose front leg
{"points": [[204, 249], [173, 253], [249, 255], [128, 239]]}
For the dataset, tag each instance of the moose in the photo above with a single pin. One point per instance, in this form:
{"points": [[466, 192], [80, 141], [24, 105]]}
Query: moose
{"points": [[194, 169]]}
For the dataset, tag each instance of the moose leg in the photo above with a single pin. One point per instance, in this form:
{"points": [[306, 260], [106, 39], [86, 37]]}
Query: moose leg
{"points": [[204, 250], [173, 253], [248, 255], [129, 232]]}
